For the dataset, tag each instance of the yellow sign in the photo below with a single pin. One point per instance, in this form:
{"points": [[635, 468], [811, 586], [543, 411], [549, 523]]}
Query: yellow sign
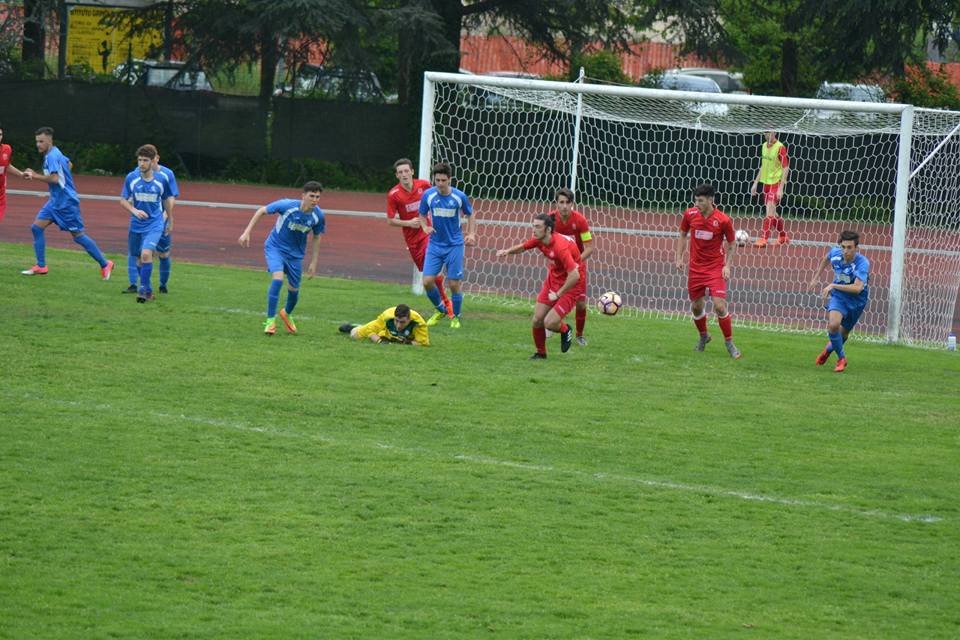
{"points": [[103, 48]]}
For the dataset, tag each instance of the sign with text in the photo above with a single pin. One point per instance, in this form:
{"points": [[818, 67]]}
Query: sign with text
{"points": [[103, 48]]}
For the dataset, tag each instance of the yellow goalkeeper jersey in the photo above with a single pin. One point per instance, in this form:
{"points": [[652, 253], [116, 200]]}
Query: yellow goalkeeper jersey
{"points": [[385, 326]]}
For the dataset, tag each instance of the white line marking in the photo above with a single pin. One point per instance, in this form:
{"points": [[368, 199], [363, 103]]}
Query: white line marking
{"points": [[526, 466]]}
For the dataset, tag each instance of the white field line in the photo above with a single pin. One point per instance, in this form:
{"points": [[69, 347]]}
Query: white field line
{"points": [[545, 469], [653, 233]]}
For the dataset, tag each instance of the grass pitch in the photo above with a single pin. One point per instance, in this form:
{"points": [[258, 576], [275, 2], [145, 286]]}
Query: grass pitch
{"points": [[167, 471]]}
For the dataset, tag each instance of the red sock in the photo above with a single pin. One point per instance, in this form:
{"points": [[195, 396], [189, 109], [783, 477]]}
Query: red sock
{"points": [[443, 294], [564, 327], [766, 228], [581, 320], [540, 339], [701, 323], [779, 221], [726, 326]]}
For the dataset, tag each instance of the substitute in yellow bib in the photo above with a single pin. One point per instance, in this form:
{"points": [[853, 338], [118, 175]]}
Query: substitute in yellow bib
{"points": [[399, 324], [774, 169]]}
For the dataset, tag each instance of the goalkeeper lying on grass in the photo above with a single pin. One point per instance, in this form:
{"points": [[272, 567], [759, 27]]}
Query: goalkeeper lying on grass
{"points": [[399, 324]]}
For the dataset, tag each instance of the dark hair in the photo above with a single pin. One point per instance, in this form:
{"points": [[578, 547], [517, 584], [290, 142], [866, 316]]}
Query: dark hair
{"points": [[311, 186], [402, 311], [850, 235], [566, 193], [706, 190], [442, 168], [44, 131], [147, 151], [548, 220], [402, 161]]}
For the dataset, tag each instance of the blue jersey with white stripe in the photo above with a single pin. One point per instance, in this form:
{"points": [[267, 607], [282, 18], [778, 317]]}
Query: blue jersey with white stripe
{"points": [[63, 193], [171, 178], [290, 231], [147, 196], [445, 212], [847, 273]]}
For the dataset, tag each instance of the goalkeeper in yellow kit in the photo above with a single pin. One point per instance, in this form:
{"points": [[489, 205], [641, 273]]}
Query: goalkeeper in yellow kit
{"points": [[396, 325]]}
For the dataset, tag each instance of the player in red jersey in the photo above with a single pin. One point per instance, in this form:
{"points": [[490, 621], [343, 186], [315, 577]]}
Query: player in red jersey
{"points": [[6, 153], [403, 210], [709, 263], [562, 288], [572, 223]]}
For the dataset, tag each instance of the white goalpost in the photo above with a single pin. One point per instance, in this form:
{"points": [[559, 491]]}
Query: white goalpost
{"points": [[633, 157]]}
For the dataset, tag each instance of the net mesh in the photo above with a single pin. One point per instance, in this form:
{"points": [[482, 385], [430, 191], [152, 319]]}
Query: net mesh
{"points": [[638, 159]]}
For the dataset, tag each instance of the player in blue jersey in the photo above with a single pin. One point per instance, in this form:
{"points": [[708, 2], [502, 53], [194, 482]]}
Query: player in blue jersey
{"points": [[145, 195], [284, 249], [63, 207], [444, 204], [164, 245], [846, 297]]}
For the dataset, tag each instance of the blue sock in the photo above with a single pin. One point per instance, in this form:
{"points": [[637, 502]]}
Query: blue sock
{"points": [[133, 271], [164, 271], [87, 243], [146, 270], [434, 295], [273, 297], [829, 347], [457, 300], [836, 339], [39, 245], [292, 297]]}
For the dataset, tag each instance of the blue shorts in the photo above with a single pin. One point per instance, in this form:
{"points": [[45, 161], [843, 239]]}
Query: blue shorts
{"points": [[68, 219], [440, 255], [850, 311], [140, 241], [279, 261]]}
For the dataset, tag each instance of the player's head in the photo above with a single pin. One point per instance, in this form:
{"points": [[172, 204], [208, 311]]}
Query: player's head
{"points": [[849, 243], [44, 138], [703, 198], [401, 316], [543, 225], [311, 194], [770, 136], [403, 168], [145, 157], [441, 177], [564, 200], [156, 154]]}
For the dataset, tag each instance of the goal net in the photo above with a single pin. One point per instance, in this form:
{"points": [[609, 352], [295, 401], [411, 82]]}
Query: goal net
{"points": [[633, 157]]}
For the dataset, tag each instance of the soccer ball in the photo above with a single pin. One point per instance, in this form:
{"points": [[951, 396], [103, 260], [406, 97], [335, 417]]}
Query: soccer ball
{"points": [[609, 303], [742, 237]]}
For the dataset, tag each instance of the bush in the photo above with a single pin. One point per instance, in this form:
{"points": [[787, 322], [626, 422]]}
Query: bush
{"points": [[922, 86]]}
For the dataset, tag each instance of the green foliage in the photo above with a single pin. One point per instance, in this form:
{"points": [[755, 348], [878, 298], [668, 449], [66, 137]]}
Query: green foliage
{"points": [[925, 87], [310, 486], [297, 171], [602, 65]]}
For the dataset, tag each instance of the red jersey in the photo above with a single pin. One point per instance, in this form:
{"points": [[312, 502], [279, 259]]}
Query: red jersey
{"points": [[563, 254], [707, 234], [576, 227], [406, 204], [5, 153]]}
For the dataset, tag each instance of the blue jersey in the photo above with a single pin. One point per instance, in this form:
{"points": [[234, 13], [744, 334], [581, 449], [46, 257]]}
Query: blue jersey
{"points": [[147, 196], [289, 234], [847, 273], [445, 211], [62, 192], [171, 178]]}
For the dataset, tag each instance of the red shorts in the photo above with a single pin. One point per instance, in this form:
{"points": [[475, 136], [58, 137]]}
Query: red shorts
{"points": [[698, 283], [419, 251], [565, 303], [770, 193]]}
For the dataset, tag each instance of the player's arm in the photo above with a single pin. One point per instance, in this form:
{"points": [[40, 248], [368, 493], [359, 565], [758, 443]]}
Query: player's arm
{"points": [[588, 246], [315, 253], [245, 236], [471, 238], [168, 205], [422, 219], [132, 210], [756, 181], [855, 287], [50, 178], [573, 277], [786, 170], [680, 248], [517, 248], [728, 259], [12, 169], [394, 220], [818, 273], [421, 337]]}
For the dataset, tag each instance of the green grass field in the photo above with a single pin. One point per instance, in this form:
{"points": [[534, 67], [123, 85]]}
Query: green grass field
{"points": [[166, 471]]}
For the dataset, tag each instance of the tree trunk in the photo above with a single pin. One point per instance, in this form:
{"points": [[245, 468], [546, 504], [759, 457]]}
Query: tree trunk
{"points": [[34, 33], [269, 57], [789, 66]]}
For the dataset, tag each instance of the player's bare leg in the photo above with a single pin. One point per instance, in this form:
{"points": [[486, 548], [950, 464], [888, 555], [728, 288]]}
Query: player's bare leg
{"points": [[555, 323]]}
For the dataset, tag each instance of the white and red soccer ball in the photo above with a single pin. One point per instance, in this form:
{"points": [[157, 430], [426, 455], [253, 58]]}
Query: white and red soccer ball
{"points": [[609, 303]]}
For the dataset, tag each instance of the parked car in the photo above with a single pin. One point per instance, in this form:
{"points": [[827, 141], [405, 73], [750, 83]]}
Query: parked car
{"points": [[333, 83], [154, 73], [728, 81], [851, 93], [687, 82]]}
